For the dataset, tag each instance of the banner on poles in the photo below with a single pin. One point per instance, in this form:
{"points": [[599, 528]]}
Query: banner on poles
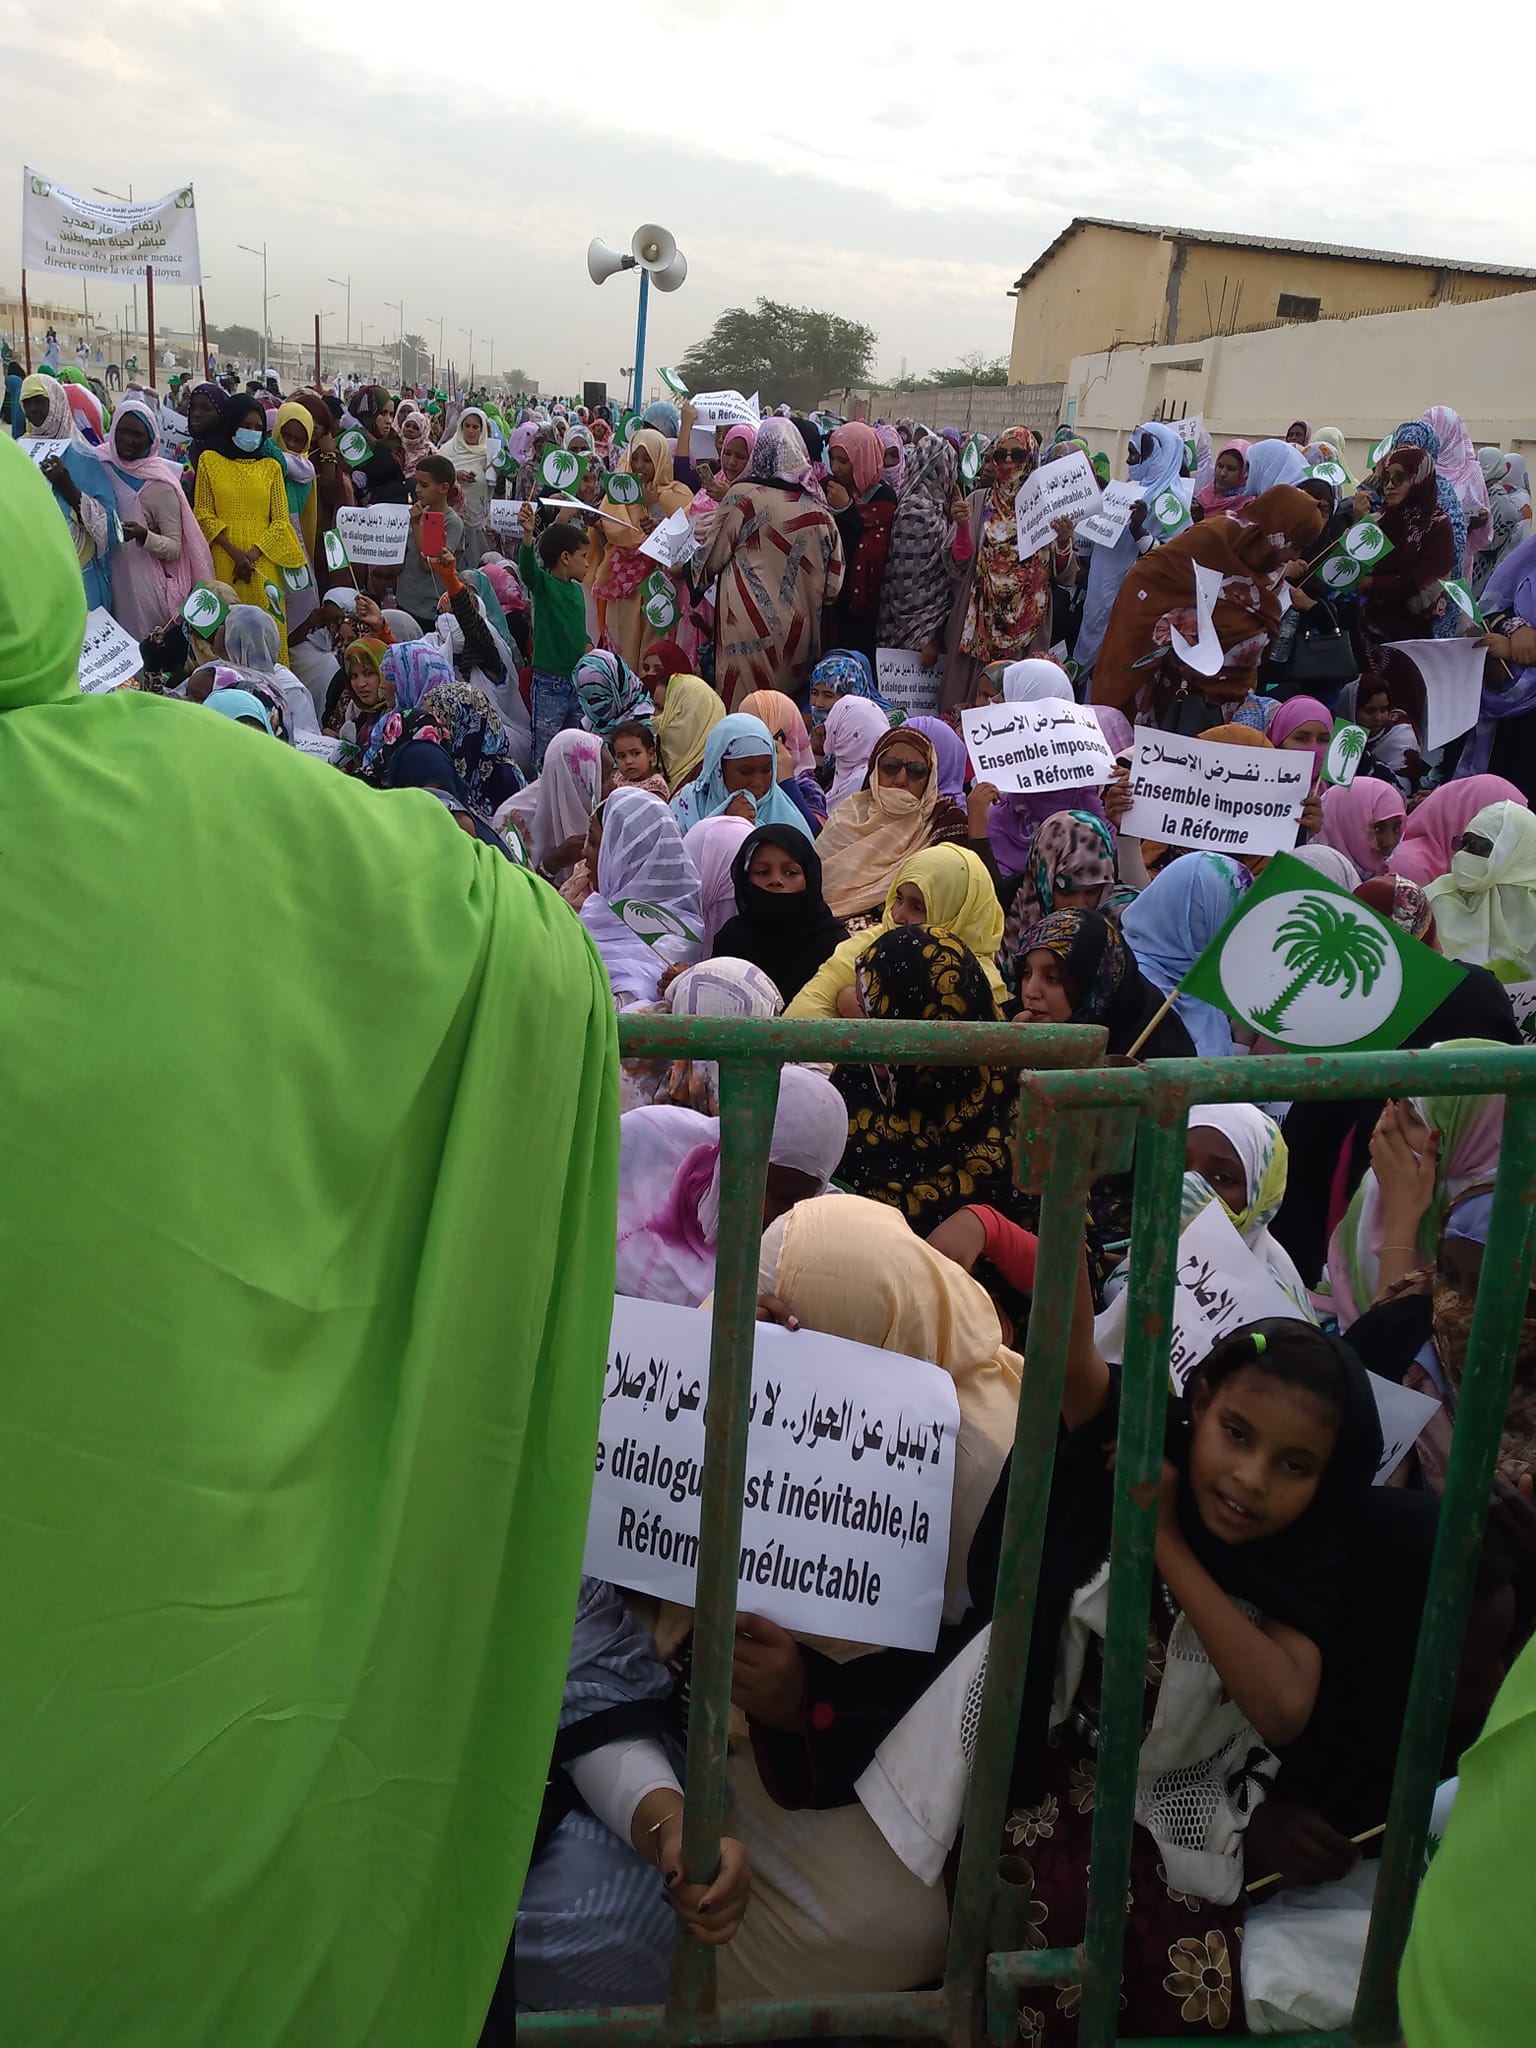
{"points": [[63, 232]]}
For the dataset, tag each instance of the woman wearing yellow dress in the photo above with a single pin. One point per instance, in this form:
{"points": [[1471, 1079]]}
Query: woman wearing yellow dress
{"points": [[241, 502]]}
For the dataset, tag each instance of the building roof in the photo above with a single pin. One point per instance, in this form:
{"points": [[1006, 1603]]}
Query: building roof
{"points": [[1137, 227]]}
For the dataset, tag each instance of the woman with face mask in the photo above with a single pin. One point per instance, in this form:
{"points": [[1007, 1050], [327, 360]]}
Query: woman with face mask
{"points": [[241, 503]]}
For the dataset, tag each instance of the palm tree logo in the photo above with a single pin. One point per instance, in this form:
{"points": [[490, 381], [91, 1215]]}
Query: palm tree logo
{"points": [[1322, 941], [1344, 755]]}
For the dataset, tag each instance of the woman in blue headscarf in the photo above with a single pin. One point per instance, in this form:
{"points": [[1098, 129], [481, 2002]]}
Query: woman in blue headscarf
{"points": [[842, 673], [1154, 460], [739, 777], [1170, 925], [82, 488]]}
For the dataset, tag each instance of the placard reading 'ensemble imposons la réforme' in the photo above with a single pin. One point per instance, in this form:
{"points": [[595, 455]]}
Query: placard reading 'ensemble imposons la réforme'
{"points": [[850, 1474], [1199, 793], [1028, 747]]}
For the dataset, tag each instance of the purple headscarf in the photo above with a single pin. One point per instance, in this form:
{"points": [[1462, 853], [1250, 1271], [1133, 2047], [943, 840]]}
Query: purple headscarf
{"points": [[1013, 821], [950, 749], [414, 667], [1511, 587]]}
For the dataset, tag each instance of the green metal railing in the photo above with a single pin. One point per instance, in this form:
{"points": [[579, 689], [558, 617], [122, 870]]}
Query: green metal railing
{"points": [[1078, 1117]]}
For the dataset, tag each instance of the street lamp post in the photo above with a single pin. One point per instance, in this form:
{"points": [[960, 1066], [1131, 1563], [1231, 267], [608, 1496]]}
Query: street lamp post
{"points": [[346, 285], [266, 332], [397, 306], [469, 334]]}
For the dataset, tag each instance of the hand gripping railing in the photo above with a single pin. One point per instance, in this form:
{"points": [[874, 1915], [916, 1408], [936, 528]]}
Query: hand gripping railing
{"points": [[1077, 1117]]}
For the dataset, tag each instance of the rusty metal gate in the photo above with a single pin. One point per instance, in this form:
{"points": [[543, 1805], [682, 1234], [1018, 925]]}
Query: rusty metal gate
{"points": [[1078, 1117]]}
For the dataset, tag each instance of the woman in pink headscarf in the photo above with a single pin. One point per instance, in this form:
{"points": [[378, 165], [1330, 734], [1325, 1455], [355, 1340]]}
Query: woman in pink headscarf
{"points": [[1423, 854], [712, 846], [1364, 822], [1228, 489], [164, 551], [863, 503], [894, 461], [1457, 462]]}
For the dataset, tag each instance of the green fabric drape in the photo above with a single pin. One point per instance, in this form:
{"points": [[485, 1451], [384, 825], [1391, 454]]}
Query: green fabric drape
{"points": [[309, 1129]]}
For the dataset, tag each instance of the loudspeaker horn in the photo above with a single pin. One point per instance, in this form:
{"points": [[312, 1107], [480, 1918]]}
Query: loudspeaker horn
{"points": [[671, 277], [602, 261], [653, 246]]}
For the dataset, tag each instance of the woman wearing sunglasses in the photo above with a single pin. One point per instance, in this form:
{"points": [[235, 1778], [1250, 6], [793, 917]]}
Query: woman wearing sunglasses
{"points": [[1002, 608], [897, 813]]}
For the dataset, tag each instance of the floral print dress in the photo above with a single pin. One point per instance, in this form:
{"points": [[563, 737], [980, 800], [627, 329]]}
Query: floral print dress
{"points": [[1181, 1969]]}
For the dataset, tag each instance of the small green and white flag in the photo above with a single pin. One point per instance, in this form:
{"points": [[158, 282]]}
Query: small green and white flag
{"points": [[1346, 750], [1355, 552], [629, 426], [560, 469], [353, 447], [658, 601], [970, 459], [297, 579], [204, 610], [336, 556], [673, 382], [1331, 473], [1379, 450], [1170, 508], [622, 488], [1305, 965], [1463, 599]]}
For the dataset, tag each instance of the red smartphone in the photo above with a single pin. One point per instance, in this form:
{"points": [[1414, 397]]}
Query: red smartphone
{"points": [[433, 537]]}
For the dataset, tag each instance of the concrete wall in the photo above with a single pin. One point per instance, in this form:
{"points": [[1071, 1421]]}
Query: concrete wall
{"points": [[974, 409], [1363, 376], [1229, 290], [1103, 285]]}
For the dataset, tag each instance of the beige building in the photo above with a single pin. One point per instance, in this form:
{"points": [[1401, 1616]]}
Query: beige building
{"points": [[1105, 284], [1363, 376]]}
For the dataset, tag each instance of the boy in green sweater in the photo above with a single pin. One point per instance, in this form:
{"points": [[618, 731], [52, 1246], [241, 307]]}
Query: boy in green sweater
{"points": [[551, 575]]}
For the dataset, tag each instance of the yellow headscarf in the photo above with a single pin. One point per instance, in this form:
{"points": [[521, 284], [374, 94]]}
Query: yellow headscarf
{"points": [[689, 715], [856, 1269], [671, 496], [960, 898], [297, 416]]}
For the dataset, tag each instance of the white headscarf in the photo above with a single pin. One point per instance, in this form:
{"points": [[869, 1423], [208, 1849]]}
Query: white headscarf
{"points": [[1036, 681], [854, 725], [475, 458], [559, 805], [645, 915]]}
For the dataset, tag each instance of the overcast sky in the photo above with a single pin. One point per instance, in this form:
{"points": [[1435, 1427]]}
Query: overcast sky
{"points": [[895, 163]]}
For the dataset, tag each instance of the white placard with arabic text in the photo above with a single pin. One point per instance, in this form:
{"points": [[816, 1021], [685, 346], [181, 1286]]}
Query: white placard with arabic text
{"points": [[1030, 747], [903, 681], [374, 535], [1200, 793], [850, 1476], [109, 654], [1105, 526], [503, 516], [1064, 489]]}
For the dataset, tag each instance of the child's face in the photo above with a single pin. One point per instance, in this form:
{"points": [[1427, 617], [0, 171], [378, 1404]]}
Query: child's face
{"points": [[431, 495], [775, 869], [294, 438], [1385, 833], [632, 759], [1373, 712], [569, 567], [1259, 1450]]}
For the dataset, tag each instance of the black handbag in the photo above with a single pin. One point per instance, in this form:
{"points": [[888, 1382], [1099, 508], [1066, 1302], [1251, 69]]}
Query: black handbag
{"points": [[1324, 655]]}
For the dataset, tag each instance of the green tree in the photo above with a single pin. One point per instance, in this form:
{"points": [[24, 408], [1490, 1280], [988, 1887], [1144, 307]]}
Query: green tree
{"points": [[236, 341], [973, 369], [1326, 943], [791, 355], [1351, 746]]}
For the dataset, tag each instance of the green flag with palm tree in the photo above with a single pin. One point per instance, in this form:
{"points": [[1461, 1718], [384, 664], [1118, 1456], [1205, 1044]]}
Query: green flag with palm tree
{"points": [[1309, 968]]}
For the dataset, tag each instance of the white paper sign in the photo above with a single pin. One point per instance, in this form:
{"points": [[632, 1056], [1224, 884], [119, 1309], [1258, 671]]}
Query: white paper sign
{"points": [[850, 1476], [1030, 747], [42, 450], [903, 681], [1219, 1285], [1199, 793], [723, 409], [670, 543], [1207, 654], [319, 744], [502, 515], [1522, 1000], [99, 237], [374, 536], [1453, 685], [1056, 490], [1105, 526], [110, 654]]}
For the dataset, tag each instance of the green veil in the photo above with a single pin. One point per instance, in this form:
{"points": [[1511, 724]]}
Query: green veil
{"points": [[309, 1121]]}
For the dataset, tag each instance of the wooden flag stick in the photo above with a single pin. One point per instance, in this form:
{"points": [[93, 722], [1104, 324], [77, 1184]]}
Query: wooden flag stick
{"points": [[1275, 1875], [1152, 1023]]}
